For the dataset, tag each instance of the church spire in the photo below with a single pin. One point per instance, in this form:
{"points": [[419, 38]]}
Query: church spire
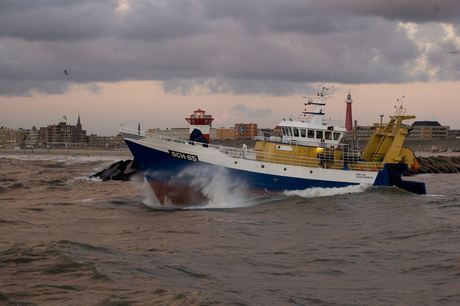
{"points": [[78, 122]]}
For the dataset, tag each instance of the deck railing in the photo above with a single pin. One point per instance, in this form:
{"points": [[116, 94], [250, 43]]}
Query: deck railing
{"points": [[324, 121], [324, 161]]}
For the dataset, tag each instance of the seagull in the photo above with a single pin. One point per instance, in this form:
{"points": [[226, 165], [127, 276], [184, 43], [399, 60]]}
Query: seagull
{"points": [[65, 72]]}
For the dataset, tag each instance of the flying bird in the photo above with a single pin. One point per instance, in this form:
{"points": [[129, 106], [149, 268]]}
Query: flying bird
{"points": [[454, 52], [65, 72]]}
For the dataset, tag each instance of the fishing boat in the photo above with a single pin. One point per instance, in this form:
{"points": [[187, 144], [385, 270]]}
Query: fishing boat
{"points": [[311, 153]]}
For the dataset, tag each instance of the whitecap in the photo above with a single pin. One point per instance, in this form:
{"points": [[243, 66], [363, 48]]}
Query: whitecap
{"points": [[324, 192]]}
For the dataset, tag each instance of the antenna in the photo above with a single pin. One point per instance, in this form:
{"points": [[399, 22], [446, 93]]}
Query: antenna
{"points": [[330, 78]]}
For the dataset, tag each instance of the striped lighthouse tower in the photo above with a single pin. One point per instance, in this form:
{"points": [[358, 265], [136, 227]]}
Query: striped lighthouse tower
{"points": [[349, 118], [199, 120]]}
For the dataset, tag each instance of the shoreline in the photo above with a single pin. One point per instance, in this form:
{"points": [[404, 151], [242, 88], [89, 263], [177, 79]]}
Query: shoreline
{"points": [[124, 153]]}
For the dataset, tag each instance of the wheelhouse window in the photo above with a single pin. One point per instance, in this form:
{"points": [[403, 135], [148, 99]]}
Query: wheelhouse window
{"points": [[337, 136], [311, 134], [303, 133], [296, 132], [287, 131], [328, 135], [319, 134]]}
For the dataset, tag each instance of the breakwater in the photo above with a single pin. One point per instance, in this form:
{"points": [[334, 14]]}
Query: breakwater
{"points": [[123, 170], [438, 164]]}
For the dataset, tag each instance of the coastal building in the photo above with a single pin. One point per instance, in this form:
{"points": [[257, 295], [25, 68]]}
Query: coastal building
{"points": [[267, 132], [225, 133], [419, 130], [264, 132], [360, 132], [245, 130], [454, 133], [62, 134], [109, 142], [230, 133], [428, 130], [10, 136], [33, 136], [277, 131]]}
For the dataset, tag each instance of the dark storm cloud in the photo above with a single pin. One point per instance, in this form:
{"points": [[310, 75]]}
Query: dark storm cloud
{"points": [[55, 20], [417, 11], [233, 46], [151, 21]]}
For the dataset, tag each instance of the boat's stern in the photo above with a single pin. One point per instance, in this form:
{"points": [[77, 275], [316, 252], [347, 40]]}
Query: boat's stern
{"points": [[391, 176]]}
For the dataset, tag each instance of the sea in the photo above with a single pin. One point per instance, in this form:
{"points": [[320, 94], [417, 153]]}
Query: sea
{"points": [[68, 239]]}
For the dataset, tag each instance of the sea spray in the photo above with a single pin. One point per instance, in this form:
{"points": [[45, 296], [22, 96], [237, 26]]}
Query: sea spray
{"points": [[217, 185], [214, 188], [220, 188], [151, 199]]}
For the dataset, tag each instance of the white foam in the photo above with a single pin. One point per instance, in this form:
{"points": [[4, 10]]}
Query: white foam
{"points": [[92, 178], [324, 192], [88, 200]]}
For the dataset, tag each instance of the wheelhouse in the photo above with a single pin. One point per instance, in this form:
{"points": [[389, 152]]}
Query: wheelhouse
{"points": [[312, 136]]}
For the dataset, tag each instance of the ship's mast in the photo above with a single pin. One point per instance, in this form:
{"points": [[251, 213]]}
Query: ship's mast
{"points": [[317, 115]]}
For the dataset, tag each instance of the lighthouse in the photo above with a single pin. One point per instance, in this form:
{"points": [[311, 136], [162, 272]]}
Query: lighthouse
{"points": [[199, 120], [349, 118]]}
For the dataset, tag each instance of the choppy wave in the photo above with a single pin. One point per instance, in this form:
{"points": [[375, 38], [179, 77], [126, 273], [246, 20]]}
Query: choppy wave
{"points": [[73, 241]]}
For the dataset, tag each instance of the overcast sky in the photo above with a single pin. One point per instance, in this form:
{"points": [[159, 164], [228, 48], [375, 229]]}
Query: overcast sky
{"points": [[155, 62]]}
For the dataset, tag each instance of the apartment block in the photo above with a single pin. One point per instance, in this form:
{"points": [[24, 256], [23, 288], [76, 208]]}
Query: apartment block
{"points": [[62, 133], [13, 136], [245, 131], [225, 133], [428, 130]]}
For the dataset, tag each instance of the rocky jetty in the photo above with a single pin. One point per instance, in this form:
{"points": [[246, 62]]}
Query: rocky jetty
{"points": [[121, 171], [438, 164]]}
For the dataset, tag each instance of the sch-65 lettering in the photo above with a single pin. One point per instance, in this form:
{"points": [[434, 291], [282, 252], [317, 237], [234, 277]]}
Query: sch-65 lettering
{"points": [[183, 156]]}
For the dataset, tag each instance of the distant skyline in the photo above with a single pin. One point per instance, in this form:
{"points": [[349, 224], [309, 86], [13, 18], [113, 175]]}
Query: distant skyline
{"points": [[155, 62]]}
